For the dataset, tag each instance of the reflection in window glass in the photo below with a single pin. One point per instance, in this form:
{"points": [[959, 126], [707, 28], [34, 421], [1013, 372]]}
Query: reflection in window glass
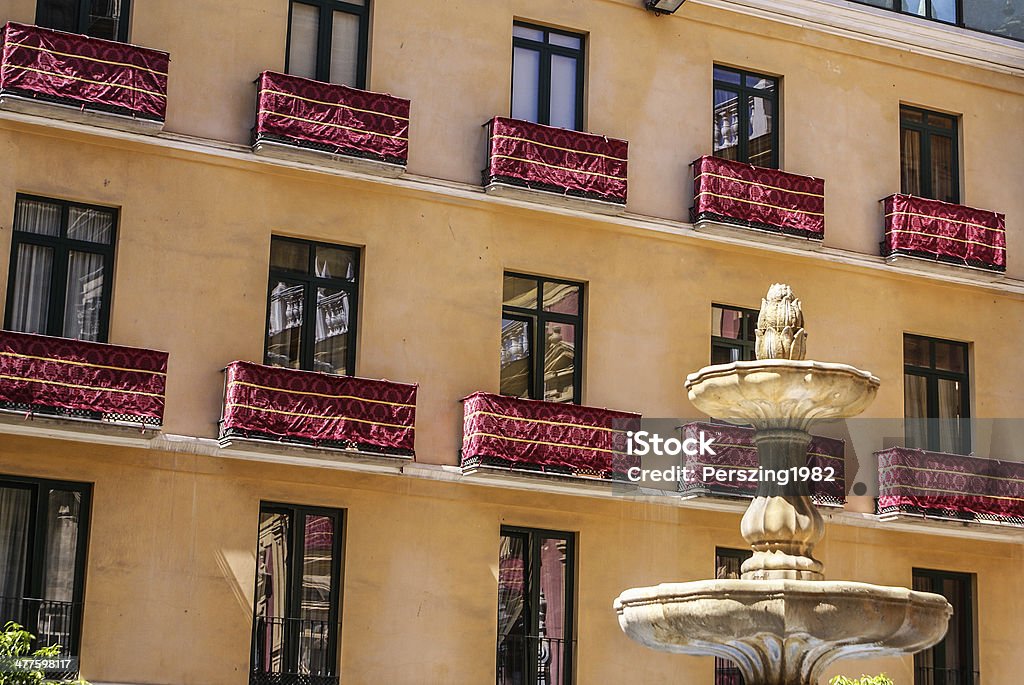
{"points": [[559, 362], [743, 118], [516, 357], [547, 76]]}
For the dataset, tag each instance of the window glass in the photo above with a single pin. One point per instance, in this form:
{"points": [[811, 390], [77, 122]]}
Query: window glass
{"points": [[345, 49], [289, 255], [942, 168], [726, 125], [35, 216], [83, 296], [91, 225], [332, 319], [519, 291], [327, 41], [106, 19], [910, 161], [30, 307], [520, 31], [334, 262], [727, 75], [285, 324], [559, 362], [929, 155], [563, 91], [733, 332], [525, 84], [547, 76], [743, 118], [936, 400], [563, 298], [302, 44], [516, 357], [992, 16], [564, 40]]}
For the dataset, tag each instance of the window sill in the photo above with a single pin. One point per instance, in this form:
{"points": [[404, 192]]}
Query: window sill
{"points": [[295, 153], [754, 233]]}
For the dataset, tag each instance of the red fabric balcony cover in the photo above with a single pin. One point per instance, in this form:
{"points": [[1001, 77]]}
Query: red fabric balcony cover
{"points": [[72, 374], [944, 231], [93, 73], [331, 117], [556, 159], [916, 481], [575, 439], [319, 407], [734, 448], [737, 193]]}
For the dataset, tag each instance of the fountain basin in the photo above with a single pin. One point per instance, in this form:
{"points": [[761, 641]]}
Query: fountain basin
{"points": [[781, 393], [783, 632]]}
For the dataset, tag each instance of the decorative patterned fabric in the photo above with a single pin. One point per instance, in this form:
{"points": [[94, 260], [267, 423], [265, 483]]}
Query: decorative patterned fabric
{"points": [[332, 118], [556, 159], [80, 70], [944, 232], [734, 449], [769, 199], [546, 436], [318, 407], [41, 371], [949, 485]]}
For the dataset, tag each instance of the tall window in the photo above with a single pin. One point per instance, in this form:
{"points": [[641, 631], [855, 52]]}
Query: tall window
{"points": [[929, 155], [536, 606], [727, 566], [97, 18], [541, 338], [296, 618], [311, 306], [62, 259], [951, 662], [547, 76], [327, 40], [43, 530], [999, 17], [936, 394], [732, 334], [746, 117]]}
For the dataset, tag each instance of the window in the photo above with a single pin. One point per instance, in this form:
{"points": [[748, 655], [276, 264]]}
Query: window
{"points": [[732, 334], [727, 566], [547, 76], [536, 606], [296, 616], [951, 662], [43, 530], [936, 394], [541, 338], [312, 277], [97, 18], [929, 155], [62, 259], [746, 117], [328, 39]]}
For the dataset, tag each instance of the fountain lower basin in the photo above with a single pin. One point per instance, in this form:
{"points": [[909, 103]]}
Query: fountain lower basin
{"points": [[782, 632]]}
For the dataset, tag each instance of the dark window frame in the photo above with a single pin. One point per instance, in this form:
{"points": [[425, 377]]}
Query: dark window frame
{"points": [[36, 545], [537, 320], [546, 50], [743, 92], [932, 375], [926, 131], [964, 616], [726, 672], [325, 37], [745, 347], [534, 537], [307, 344], [84, 19], [296, 557], [62, 246]]}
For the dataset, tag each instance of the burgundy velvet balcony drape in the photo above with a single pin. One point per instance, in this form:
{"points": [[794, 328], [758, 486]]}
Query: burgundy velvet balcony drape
{"points": [[319, 407], [576, 439], [85, 71], [43, 371]]}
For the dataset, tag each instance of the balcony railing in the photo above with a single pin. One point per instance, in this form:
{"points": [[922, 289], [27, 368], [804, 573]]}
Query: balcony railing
{"points": [[943, 232], [726, 673], [545, 437], [333, 121], [556, 161], [731, 192], [318, 409], [287, 651], [51, 622], [533, 660], [78, 379], [925, 675], [46, 67], [949, 487], [735, 450]]}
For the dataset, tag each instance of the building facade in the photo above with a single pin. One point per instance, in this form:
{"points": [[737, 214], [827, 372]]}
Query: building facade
{"points": [[435, 194]]}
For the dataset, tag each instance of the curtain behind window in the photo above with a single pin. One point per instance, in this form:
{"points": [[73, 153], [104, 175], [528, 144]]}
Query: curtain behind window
{"points": [[15, 516], [910, 161]]}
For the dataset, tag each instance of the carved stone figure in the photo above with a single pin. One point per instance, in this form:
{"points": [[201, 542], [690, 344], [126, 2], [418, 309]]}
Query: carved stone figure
{"points": [[780, 326]]}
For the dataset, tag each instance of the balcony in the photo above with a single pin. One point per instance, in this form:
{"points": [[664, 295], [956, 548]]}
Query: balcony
{"points": [[928, 234], [734, 449], [328, 124], [508, 434], [79, 380], [51, 622], [83, 79], [926, 675], [273, 405], [555, 166], [308, 645], [949, 487], [534, 659], [727, 194]]}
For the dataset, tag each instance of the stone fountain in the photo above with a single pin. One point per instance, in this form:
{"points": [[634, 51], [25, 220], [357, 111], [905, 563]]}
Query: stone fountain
{"points": [[782, 623]]}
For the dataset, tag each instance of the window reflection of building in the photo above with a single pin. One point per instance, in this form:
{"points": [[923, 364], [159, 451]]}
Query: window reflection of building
{"points": [[744, 117]]}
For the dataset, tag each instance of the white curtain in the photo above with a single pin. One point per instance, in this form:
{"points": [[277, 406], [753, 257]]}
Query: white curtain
{"points": [[30, 305], [84, 297], [15, 505]]}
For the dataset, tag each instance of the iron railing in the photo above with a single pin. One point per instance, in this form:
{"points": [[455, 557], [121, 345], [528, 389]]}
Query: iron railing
{"points": [[534, 660], [929, 675], [293, 651], [726, 673], [51, 623]]}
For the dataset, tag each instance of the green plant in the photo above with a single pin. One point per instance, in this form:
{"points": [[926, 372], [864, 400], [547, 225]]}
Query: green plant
{"points": [[16, 643], [881, 679]]}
